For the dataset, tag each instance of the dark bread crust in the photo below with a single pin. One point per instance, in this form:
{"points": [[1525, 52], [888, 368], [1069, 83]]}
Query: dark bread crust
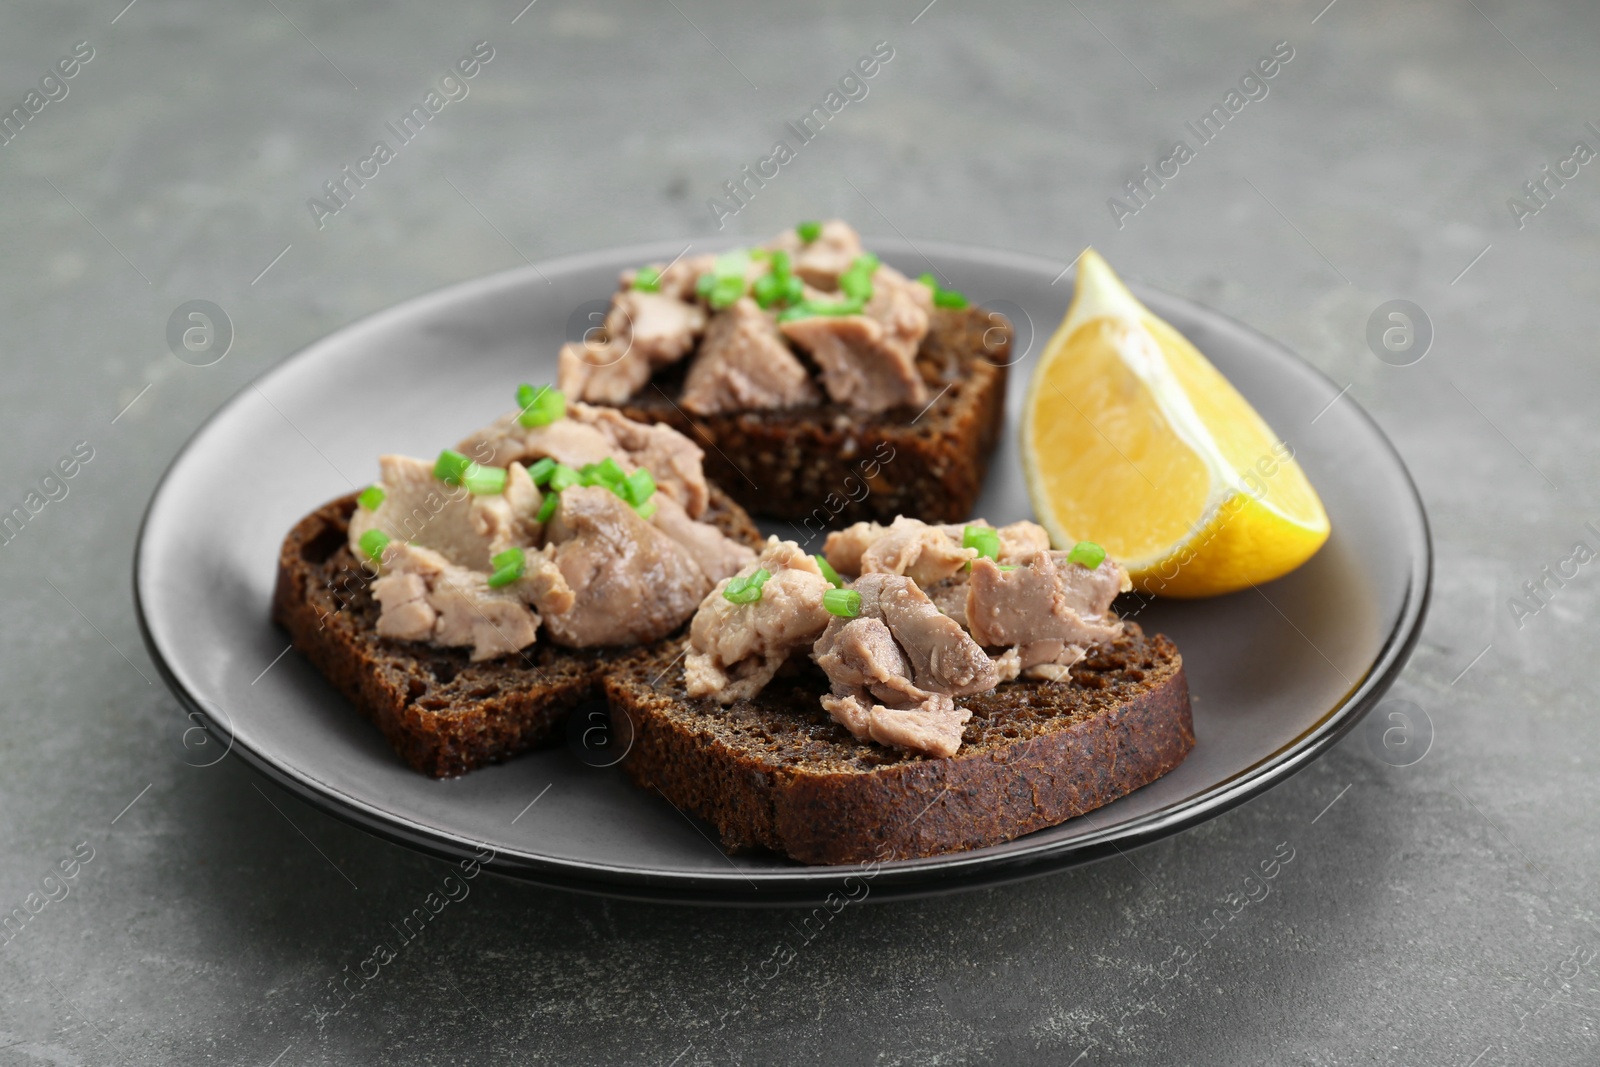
{"points": [[837, 466], [778, 774], [444, 714]]}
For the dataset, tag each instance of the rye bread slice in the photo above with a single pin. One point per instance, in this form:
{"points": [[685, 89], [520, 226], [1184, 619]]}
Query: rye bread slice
{"points": [[444, 714], [825, 466], [776, 773]]}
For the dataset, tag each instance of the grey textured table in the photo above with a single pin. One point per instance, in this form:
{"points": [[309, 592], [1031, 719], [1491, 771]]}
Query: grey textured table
{"points": [[1440, 912]]}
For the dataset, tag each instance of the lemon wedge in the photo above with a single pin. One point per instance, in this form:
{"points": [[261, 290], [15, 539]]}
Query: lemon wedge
{"points": [[1133, 440]]}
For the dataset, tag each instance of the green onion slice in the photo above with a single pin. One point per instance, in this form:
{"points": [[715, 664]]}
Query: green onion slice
{"points": [[548, 508], [809, 231], [484, 481], [982, 538], [855, 286], [373, 542], [746, 589], [450, 466], [768, 290], [541, 406], [540, 472], [508, 567], [1086, 554], [808, 308], [856, 281], [828, 572], [371, 497], [610, 472], [564, 477], [725, 283], [648, 280], [845, 603], [645, 510], [944, 298], [725, 291], [641, 485]]}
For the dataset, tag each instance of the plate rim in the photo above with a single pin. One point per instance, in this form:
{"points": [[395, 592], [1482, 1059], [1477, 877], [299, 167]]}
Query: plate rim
{"points": [[787, 887]]}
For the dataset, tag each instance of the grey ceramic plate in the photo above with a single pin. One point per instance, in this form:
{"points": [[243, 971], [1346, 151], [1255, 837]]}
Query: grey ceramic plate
{"points": [[1277, 675]]}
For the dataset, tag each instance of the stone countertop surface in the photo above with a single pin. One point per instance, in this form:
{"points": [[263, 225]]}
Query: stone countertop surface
{"points": [[1440, 912]]}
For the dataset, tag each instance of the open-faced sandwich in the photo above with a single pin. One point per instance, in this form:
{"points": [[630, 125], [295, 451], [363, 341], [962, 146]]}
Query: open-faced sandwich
{"points": [[824, 384], [916, 689], [920, 686], [465, 604]]}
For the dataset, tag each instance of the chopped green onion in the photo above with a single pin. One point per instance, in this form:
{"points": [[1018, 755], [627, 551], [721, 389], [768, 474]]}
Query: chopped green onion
{"points": [[856, 281], [828, 572], [564, 477], [983, 538], [645, 510], [1086, 554], [592, 479], [540, 472], [640, 486], [732, 264], [484, 481], [548, 508], [450, 466], [648, 280], [780, 286], [541, 406], [725, 290], [809, 231], [845, 603], [855, 286], [808, 308], [944, 298], [508, 567], [371, 497], [726, 281], [607, 473], [527, 395], [746, 589], [768, 290], [373, 542], [1008, 566]]}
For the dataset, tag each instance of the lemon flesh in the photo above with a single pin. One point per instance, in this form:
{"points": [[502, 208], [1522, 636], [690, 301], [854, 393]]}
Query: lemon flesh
{"points": [[1132, 439]]}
